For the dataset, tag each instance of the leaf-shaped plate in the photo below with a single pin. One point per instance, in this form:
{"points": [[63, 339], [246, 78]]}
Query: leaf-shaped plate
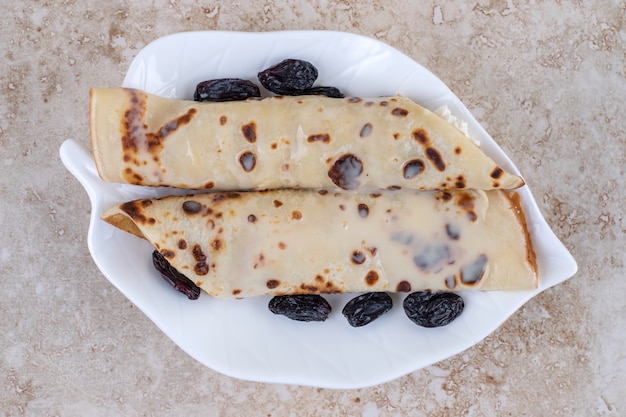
{"points": [[241, 338]]}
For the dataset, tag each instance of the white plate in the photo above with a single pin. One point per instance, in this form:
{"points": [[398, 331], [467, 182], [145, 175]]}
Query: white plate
{"points": [[241, 338]]}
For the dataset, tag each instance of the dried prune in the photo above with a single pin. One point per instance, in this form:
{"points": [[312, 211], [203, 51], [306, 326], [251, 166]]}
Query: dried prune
{"points": [[302, 307], [289, 77], [366, 308], [226, 89], [177, 280], [331, 92], [433, 309]]}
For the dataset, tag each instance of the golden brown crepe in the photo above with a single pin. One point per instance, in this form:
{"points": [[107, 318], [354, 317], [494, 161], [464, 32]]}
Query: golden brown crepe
{"points": [[284, 142], [294, 242]]}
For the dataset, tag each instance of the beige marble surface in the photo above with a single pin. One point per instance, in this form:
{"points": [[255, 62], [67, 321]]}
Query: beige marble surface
{"points": [[547, 79]]}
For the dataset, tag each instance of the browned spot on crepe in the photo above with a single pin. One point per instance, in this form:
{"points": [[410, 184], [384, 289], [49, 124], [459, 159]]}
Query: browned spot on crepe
{"points": [[434, 156], [345, 171], [365, 130], [357, 257], [249, 132], [247, 160], [134, 210], [371, 278], [413, 168], [421, 136], [403, 286], [272, 283], [399, 112], [497, 173], [201, 267], [319, 137]]}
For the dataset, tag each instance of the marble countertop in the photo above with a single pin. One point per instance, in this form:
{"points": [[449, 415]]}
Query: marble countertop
{"points": [[546, 80]]}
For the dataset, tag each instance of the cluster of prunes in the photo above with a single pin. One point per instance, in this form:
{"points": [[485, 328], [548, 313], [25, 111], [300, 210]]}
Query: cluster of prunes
{"points": [[291, 77], [424, 308]]}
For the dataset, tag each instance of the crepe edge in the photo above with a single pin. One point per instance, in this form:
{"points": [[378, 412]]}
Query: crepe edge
{"points": [[122, 221], [531, 257]]}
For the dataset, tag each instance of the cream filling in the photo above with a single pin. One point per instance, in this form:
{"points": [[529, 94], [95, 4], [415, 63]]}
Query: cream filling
{"points": [[445, 113]]}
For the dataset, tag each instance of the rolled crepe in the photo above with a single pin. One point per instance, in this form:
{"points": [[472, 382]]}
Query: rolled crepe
{"points": [[284, 142], [313, 242]]}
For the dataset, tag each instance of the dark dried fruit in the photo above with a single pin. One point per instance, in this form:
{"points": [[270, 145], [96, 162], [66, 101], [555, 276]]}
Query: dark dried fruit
{"points": [[304, 307], [331, 92], [289, 77], [433, 309], [177, 280], [226, 89], [366, 308]]}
